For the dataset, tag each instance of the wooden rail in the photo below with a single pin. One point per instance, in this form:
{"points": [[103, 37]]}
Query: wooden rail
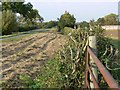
{"points": [[105, 73]]}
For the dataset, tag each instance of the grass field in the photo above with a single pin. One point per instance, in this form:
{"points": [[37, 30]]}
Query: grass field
{"points": [[116, 43], [114, 37]]}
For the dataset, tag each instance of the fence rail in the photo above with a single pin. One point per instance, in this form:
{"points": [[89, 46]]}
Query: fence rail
{"points": [[105, 73]]}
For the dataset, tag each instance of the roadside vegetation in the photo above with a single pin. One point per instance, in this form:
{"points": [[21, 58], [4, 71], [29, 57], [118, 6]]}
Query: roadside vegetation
{"points": [[61, 48], [66, 68]]}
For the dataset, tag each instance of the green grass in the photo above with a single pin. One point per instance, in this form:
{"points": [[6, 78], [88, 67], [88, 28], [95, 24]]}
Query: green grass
{"points": [[6, 36], [14, 34], [11, 40], [116, 43], [49, 76], [116, 73], [25, 32]]}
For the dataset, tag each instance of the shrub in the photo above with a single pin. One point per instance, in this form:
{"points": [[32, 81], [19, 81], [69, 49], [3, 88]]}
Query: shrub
{"points": [[9, 23], [51, 24], [26, 28], [67, 30]]}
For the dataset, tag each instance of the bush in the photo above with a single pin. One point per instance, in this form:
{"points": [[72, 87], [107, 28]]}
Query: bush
{"points": [[9, 23], [67, 30], [51, 24], [26, 28]]}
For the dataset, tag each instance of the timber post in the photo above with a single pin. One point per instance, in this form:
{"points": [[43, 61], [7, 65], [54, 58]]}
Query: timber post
{"points": [[92, 44]]}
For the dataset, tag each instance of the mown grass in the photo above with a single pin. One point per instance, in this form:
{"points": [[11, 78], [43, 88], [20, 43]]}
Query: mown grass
{"points": [[12, 40], [25, 32], [18, 36]]}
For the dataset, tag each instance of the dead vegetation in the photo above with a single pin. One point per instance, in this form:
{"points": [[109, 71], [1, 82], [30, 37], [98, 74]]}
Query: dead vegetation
{"points": [[27, 55]]}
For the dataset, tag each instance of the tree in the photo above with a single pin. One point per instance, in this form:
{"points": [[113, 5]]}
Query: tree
{"points": [[50, 24], [84, 24], [29, 16], [25, 9], [9, 23], [66, 20], [111, 19], [101, 21]]}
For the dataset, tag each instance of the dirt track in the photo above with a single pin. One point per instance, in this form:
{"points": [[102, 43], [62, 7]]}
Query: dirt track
{"points": [[27, 55]]}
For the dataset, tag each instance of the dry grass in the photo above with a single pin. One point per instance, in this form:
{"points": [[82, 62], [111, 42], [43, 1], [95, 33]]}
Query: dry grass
{"points": [[27, 55]]}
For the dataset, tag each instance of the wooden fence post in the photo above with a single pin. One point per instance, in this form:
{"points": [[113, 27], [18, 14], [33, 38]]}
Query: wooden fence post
{"points": [[92, 44]]}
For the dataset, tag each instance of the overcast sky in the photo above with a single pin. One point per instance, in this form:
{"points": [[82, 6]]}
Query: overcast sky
{"points": [[81, 9]]}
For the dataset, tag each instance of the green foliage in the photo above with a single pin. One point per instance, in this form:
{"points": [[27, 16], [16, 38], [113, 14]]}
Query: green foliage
{"points": [[66, 20], [67, 30], [9, 23], [83, 25], [48, 78], [101, 21], [67, 68], [49, 24], [0, 23], [110, 19], [72, 60], [25, 9], [27, 80], [26, 21], [95, 29], [25, 25]]}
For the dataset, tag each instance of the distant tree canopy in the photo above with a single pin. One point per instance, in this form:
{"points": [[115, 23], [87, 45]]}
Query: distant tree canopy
{"points": [[83, 24], [111, 19], [50, 24], [24, 9], [66, 20]]}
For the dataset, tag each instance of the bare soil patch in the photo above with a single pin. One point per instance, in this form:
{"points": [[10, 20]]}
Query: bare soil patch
{"points": [[27, 55], [112, 33]]}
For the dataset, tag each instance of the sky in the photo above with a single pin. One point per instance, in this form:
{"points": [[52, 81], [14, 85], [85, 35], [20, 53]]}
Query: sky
{"points": [[83, 10]]}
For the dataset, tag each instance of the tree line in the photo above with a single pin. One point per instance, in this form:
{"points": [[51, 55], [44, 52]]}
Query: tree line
{"points": [[18, 16]]}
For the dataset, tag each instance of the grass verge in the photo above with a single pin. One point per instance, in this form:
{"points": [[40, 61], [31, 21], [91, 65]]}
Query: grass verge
{"points": [[12, 40], [116, 43], [49, 76]]}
